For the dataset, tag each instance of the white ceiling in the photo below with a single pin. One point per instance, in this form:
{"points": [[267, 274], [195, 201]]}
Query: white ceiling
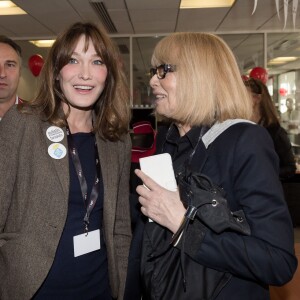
{"points": [[46, 18]]}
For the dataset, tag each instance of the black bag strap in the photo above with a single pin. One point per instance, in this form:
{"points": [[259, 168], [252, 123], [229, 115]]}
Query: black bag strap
{"points": [[208, 138]]}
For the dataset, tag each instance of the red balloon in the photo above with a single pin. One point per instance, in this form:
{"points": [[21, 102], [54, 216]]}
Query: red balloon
{"points": [[282, 92], [260, 74], [35, 64]]}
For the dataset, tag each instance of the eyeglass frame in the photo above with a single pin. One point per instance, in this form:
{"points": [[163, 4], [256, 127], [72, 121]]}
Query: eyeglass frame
{"points": [[166, 68]]}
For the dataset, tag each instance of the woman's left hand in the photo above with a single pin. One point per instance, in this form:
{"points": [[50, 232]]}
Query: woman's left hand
{"points": [[159, 204]]}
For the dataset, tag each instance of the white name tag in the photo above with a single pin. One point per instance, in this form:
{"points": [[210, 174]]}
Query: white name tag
{"points": [[84, 243]]}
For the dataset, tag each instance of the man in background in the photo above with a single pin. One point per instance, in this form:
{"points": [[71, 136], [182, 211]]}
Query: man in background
{"points": [[285, 117], [10, 72]]}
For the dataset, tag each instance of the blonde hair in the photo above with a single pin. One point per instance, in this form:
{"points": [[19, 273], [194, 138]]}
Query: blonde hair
{"points": [[209, 84]]}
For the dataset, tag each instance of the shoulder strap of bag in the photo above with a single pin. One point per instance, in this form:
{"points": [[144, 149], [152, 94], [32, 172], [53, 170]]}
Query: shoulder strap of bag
{"points": [[218, 128]]}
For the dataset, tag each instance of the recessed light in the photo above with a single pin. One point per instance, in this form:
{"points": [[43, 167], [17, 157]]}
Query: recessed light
{"points": [[282, 60], [205, 3], [43, 43], [9, 8]]}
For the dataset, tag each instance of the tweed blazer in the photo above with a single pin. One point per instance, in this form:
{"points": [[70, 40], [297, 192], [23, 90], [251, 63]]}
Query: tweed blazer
{"points": [[34, 191]]}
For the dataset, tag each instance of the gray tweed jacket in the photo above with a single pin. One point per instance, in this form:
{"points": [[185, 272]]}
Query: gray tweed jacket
{"points": [[34, 191]]}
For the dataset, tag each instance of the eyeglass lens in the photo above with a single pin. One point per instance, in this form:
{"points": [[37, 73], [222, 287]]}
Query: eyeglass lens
{"points": [[161, 71]]}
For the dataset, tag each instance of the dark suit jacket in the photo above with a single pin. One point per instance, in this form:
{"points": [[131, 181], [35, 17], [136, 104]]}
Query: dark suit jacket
{"points": [[243, 162], [284, 150], [34, 190]]}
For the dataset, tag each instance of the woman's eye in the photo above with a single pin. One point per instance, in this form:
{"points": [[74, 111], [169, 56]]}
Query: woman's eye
{"points": [[98, 62], [72, 61]]}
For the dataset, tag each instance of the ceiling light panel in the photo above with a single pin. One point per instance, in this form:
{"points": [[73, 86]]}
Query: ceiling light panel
{"points": [[9, 8], [284, 59], [43, 43], [205, 3]]}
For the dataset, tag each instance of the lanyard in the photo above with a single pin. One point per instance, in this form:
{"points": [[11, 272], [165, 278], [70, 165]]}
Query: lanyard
{"points": [[88, 203]]}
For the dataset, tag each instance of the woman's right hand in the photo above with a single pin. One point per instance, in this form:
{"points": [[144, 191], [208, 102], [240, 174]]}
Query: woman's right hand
{"points": [[159, 204]]}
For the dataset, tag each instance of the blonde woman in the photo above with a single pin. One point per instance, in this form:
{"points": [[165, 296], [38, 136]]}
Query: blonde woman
{"points": [[197, 84]]}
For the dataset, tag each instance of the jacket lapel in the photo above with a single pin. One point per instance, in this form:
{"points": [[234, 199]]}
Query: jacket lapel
{"points": [[109, 164], [199, 158], [61, 164]]}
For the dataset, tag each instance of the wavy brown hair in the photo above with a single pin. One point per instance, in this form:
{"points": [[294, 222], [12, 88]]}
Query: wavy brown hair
{"points": [[111, 111], [267, 109]]}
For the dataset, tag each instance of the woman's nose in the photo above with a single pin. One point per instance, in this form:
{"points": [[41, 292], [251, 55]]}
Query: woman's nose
{"points": [[85, 73], [154, 81]]}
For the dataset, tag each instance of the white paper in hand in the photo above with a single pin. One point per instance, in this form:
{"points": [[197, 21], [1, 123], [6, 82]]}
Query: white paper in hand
{"points": [[160, 168]]}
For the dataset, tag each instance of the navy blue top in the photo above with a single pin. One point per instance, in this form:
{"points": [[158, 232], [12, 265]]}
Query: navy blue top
{"points": [[84, 277]]}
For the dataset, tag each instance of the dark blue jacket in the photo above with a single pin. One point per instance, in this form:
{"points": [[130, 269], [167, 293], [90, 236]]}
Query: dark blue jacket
{"points": [[242, 161]]}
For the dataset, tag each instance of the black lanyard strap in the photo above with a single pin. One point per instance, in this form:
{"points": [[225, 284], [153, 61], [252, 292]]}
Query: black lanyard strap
{"points": [[91, 202]]}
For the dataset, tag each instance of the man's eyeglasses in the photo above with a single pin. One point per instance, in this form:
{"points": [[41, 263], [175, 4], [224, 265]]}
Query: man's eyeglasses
{"points": [[162, 70]]}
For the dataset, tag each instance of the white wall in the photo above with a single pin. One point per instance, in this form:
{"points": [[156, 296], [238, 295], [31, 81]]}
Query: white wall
{"points": [[28, 84]]}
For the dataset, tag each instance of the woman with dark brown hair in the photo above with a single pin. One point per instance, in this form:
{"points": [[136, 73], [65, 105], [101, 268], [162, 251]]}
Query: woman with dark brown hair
{"points": [[64, 210], [265, 114]]}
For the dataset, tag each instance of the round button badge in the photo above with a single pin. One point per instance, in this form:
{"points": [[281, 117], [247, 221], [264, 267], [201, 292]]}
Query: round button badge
{"points": [[57, 151], [55, 134]]}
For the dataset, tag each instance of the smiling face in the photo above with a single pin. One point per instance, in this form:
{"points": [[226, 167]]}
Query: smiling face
{"points": [[10, 66], [82, 80], [165, 93]]}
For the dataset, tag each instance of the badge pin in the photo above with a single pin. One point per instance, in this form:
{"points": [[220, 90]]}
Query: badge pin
{"points": [[57, 151], [55, 134]]}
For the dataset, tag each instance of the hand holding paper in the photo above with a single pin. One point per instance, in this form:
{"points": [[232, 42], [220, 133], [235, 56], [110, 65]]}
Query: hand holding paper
{"points": [[159, 167], [160, 199]]}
